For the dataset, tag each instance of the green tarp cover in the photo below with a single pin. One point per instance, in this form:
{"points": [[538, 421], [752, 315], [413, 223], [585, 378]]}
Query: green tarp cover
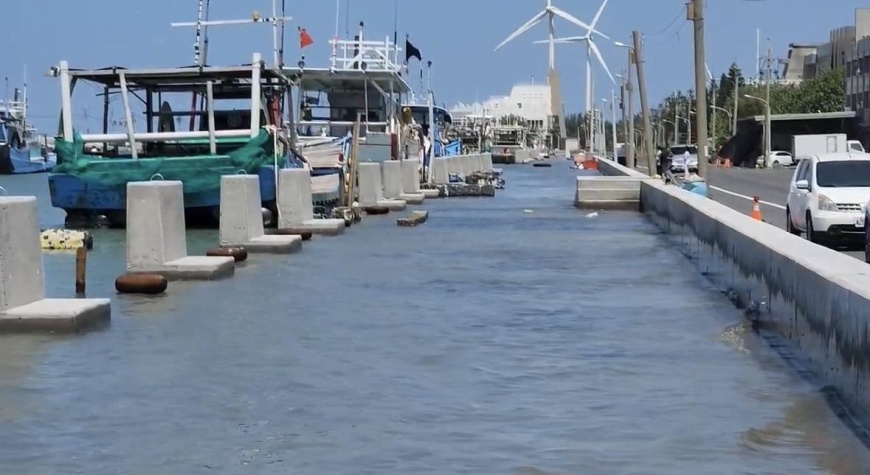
{"points": [[198, 173]]}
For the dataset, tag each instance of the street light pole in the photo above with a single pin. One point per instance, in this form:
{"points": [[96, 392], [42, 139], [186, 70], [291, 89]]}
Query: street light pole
{"points": [[630, 156], [644, 103], [613, 121], [767, 160]]}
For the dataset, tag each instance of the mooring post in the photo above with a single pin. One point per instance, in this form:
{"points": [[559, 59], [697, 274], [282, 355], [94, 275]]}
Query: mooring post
{"points": [[81, 271]]}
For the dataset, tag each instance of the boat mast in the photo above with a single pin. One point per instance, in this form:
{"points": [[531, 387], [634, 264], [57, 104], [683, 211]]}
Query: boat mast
{"points": [[255, 19]]}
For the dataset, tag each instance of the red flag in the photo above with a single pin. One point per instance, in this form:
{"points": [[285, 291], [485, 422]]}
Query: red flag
{"points": [[304, 38]]}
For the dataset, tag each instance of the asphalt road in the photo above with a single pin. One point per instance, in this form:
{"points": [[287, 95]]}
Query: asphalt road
{"points": [[735, 188]]}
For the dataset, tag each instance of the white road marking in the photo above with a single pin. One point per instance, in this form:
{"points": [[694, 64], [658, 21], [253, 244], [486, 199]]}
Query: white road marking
{"points": [[729, 192]]}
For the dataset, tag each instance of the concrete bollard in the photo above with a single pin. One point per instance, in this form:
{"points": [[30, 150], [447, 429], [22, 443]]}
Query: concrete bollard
{"points": [[23, 306], [156, 235], [394, 187], [296, 208], [371, 188], [486, 162], [410, 176], [241, 222], [441, 169]]}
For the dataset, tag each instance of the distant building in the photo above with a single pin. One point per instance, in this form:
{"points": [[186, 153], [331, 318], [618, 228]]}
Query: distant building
{"points": [[848, 47], [528, 102]]}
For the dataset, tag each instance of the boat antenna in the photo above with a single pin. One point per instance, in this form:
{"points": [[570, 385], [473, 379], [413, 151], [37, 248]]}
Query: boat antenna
{"points": [[24, 98], [197, 45], [395, 30], [335, 36], [283, 28], [255, 18], [347, 18]]}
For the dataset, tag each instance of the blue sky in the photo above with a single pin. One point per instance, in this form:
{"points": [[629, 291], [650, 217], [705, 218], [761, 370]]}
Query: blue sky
{"points": [[458, 36]]}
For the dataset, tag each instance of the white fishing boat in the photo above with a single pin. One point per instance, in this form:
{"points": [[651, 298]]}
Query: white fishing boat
{"points": [[363, 81]]}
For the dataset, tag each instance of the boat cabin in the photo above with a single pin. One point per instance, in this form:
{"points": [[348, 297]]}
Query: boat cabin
{"points": [[364, 81], [177, 111]]}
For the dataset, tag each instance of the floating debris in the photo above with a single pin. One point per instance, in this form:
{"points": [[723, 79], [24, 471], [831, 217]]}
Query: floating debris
{"points": [[416, 218]]}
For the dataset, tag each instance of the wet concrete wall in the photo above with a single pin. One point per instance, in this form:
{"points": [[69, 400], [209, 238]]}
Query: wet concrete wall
{"points": [[814, 299]]}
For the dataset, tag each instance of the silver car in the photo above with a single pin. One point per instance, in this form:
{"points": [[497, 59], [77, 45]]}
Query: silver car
{"points": [[679, 161]]}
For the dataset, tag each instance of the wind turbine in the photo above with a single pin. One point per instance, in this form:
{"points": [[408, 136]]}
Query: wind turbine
{"points": [[551, 13], [591, 49]]}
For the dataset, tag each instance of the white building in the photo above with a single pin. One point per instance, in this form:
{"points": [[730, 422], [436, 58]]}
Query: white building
{"points": [[530, 102]]}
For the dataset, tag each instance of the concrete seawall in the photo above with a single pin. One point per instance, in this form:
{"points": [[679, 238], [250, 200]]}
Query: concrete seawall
{"points": [[814, 297]]}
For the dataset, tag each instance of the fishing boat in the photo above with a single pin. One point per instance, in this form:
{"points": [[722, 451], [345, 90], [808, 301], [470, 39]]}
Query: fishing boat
{"points": [[21, 150], [233, 125], [446, 142], [219, 138], [362, 84]]}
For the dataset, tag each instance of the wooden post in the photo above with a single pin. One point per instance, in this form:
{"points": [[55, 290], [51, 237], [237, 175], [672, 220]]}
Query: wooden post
{"points": [[81, 270], [353, 160]]}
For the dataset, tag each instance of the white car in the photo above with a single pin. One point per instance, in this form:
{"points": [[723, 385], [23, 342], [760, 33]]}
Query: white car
{"points": [[780, 158], [679, 161], [828, 196]]}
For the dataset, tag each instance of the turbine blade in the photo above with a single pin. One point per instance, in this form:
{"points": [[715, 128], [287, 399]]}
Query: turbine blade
{"points": [[709, 74], [598, 13], [600, 59], [556, 41], [567, 16], [534, 21]]}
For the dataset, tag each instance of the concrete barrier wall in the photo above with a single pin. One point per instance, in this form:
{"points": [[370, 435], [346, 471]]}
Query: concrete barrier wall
{"points": [[619, 188], [813, 297]]}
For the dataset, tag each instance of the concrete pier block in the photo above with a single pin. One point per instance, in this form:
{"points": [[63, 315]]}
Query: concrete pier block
{"points": [[156, 235], [410, 176], [241, 222], [23, 306], [486, 162], [394, 187], [296, 208], [440, 169], [371, 188]]}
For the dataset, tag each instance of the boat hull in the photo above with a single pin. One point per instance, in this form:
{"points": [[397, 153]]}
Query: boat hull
{"points": [[90, 204], [15, 161]]}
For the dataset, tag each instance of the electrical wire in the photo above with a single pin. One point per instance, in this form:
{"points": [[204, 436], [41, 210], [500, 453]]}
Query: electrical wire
{"points": [[665, 29]]}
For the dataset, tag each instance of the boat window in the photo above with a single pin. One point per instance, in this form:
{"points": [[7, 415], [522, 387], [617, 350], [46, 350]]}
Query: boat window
{"points": [[843, 173]]}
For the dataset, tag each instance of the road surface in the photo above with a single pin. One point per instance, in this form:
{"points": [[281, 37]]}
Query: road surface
{"points": [[735, 188]]}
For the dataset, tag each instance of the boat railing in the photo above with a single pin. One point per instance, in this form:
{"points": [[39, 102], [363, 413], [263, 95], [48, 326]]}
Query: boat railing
{"points": [[377, 55], [163, 136], [342, 123]]}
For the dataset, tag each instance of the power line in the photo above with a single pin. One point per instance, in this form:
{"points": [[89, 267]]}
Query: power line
{"points": [[678, 16]]}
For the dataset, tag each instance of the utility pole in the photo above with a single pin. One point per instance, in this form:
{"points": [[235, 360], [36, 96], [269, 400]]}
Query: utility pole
{"points": [[767, 145], [696, 14], [713, 114], [644, 104], [736, 81], [630, 158], [622, 96]]}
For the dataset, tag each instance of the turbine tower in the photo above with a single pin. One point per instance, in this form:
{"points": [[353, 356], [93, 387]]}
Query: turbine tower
{"points": [[591, 49], [551, 12]]}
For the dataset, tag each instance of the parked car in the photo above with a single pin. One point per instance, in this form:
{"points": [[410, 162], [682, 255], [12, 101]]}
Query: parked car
{"points": [[679, 162], [828, 196], [781, 158]]}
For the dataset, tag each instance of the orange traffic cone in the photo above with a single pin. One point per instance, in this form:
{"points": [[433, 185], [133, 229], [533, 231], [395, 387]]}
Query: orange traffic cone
{"points": [[756, 209]]}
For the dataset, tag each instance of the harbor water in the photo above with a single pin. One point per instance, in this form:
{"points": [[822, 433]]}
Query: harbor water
{"points": [[512, 335]]}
